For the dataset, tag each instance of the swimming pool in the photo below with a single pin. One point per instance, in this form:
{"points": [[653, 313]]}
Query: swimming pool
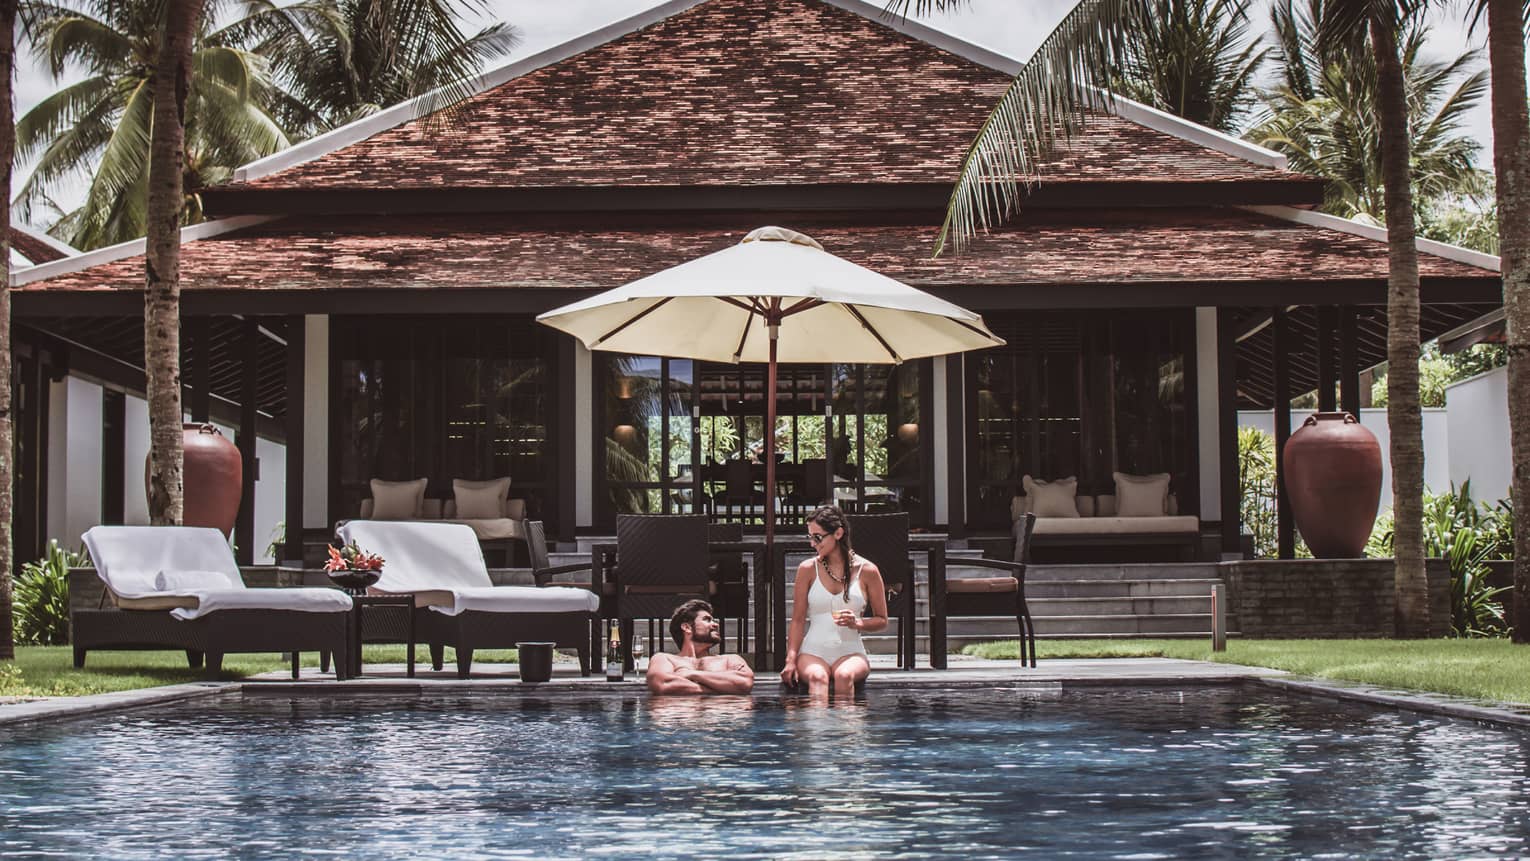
{"points": [[1205, 772]]}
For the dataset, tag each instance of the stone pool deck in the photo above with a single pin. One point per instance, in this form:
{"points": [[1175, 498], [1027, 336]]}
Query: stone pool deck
{"points": [[964, 672]]}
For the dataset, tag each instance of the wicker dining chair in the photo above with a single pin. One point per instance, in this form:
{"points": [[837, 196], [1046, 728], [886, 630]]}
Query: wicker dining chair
{"points": [[1002, 595], [883, 538], [661, 562]]}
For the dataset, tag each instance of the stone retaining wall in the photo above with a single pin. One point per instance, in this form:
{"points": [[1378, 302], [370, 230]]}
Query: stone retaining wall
{"points": [[1332, 598]]}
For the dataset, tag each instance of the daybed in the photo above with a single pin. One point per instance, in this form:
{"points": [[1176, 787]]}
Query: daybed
{"points": [[483, 506], [1141, 512], [178, 587]]}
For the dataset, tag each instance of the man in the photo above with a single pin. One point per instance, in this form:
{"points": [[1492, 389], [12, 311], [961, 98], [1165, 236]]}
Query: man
{"points": [[693, 671]]}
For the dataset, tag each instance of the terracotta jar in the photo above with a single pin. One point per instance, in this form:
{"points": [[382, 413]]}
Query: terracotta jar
{"points": [[213, 478], [1333, 479]]}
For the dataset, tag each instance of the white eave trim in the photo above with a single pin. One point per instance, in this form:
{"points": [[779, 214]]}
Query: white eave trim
{"points": [[133, 248], [1355, 228], [359, 130], [1126, 109]]}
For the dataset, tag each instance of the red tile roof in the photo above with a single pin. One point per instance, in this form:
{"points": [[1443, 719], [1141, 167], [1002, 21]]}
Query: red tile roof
{"points": [[1057, 247], [740, 92]]}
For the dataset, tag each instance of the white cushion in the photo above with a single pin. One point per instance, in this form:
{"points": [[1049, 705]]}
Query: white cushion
{"points": [[1117, 525], [1052, 498], [397, 500], [129, 558], [480, 500], [527, 599], [1142, 495], [193, 581], [494, 528]]}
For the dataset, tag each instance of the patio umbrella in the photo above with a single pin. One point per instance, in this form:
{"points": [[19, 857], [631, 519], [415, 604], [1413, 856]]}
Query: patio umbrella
{"points": [[777, 296]]}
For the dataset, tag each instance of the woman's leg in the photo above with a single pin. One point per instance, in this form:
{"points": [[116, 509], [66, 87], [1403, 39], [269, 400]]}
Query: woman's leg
{"points": [[814, 672], [848, 672]]}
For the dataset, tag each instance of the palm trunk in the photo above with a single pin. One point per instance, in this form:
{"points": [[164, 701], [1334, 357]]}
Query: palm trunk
{"points": [[7, 442], [162, 296], [1404, 417], [1511, 162]]}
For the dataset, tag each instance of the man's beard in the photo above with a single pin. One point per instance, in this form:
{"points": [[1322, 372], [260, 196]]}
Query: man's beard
{"points": [[710, 638]]}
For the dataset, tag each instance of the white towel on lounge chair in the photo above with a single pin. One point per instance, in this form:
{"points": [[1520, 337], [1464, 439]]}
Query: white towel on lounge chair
{"points": [[134, 560], [446, 557]]}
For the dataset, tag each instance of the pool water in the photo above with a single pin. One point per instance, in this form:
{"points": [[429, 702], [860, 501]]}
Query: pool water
{"points": [[1156, 773]]}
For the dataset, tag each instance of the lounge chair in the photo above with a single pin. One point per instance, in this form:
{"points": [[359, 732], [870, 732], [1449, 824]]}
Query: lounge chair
{"points": [[457, 605], [178, 587]]}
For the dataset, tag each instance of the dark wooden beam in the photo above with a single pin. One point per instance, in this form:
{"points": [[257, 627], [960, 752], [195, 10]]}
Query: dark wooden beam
{"points": [[566, 398], [1349, 371], [113, 457], [1284, 529], [244, 526], [1227, 430], [1325, 369], [200, 399], [292, 546]]}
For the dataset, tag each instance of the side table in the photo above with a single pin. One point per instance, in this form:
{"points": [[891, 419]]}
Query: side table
{"points": [[358, 625]]}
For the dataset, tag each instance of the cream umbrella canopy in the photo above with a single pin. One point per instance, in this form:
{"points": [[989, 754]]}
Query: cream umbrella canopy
{"points": [[777, 296]]}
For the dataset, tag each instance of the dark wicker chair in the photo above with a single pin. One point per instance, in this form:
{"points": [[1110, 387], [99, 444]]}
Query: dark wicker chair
{"points": [[1002, 595], [813, 489], [661, 562], [883, 538], [738, 489], [728, 586]]}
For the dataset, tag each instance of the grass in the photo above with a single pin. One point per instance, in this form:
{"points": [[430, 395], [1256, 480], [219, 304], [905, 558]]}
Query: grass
{"points": [[1493, 670], [48, 671]]}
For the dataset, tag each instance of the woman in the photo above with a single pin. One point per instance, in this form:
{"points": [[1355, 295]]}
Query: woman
{"points": [[834, 587]]}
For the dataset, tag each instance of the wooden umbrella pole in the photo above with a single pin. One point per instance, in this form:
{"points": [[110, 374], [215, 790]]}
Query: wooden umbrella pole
{"points": [[770, 437]]}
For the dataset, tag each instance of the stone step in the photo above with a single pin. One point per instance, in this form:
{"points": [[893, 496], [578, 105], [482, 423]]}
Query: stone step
{"points": [[1147, 606], [1145, 571], [1118, 588]]}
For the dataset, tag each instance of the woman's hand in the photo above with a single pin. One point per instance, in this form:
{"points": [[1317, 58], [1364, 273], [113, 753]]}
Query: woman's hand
{"points": [[847, 619], [789, 674]]}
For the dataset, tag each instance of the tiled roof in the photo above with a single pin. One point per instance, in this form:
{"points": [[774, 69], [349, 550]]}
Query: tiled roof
{"points": [[1058, 247], [739, 92], [33, 248]]}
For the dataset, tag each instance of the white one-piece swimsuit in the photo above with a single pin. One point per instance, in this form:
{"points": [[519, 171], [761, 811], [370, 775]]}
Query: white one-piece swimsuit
{"points": [[824, 639]]}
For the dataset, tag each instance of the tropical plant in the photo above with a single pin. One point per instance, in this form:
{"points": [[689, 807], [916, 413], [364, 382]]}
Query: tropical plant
{"points": [[1048, 100], [1467, 221], [1437, 372], [340, 60], [1467, 534], [1324, 118], [1257, 499], [102, 125], [41, 612], [171, 85], [7, 428], [1506, 20], [1194, 59]]}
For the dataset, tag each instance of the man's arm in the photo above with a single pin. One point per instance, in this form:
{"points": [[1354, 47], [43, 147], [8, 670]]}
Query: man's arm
{"points": [[663, 677], [737, 678]]}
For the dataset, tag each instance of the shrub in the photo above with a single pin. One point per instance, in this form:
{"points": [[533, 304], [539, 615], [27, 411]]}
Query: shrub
{"points": [[1256, 493], [40, 609]]}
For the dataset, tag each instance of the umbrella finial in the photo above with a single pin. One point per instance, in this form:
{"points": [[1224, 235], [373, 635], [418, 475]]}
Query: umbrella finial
{"points": [[780, 234]]}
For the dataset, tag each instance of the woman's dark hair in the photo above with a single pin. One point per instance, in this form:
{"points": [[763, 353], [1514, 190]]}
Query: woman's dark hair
{"points": [[685, 614], [830, 518]]}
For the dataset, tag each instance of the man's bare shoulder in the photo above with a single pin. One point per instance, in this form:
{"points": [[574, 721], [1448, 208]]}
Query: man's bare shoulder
{"points": [[662, 662]]}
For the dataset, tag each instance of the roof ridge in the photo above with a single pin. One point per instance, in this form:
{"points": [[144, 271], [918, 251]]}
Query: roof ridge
{"points": [[1432, 247]]}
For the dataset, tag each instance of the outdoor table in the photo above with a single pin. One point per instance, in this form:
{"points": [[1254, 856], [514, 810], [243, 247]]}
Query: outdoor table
{"points": [[358, 615], [935, 550], [603, 558]]}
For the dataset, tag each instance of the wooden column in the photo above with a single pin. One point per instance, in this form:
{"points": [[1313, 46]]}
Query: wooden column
{"points": [[1285, 533], [1227, 430], [244, 526], [297, 342], [199, 401], [1327, 402], [956, 446], [113, 457], [1349, 370], [561, 498]]}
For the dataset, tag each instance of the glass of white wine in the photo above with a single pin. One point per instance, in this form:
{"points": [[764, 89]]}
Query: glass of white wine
{"points": [[637, 652]]}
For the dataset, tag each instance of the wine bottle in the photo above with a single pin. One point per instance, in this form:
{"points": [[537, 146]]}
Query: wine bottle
{"points": [[614, 669]]}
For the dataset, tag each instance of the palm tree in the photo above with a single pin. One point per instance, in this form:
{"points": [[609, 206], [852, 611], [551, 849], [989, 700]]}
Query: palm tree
{"points": [[339, 60], [170, 88], [1074, 67], [1511, 161], [102, 124], [1324, 117], [1195, 60], [7, 151]]}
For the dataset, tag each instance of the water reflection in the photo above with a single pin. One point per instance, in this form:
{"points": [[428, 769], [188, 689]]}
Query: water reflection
{"points": [[1113, 773]]}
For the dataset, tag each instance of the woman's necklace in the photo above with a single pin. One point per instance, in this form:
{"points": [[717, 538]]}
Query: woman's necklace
{"points": [[837, 578]]}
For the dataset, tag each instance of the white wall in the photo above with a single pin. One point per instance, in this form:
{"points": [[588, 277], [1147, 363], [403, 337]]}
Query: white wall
{"points": [[315, 422], [270, 496], [584, 469], [74, 460], [1478, 411], [1207, 412], [1436, 444], [135, 508]]}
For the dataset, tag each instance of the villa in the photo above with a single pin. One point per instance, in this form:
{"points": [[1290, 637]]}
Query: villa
{"points": [[364, 302]]}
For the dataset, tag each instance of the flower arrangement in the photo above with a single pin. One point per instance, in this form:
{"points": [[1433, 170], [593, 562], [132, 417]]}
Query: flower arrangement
{"points": [[350, 557]]}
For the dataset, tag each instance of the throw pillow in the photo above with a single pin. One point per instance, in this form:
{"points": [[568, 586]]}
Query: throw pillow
{"points": [[1052, 498], [481, 500], [397, 500], [1142, 495]]}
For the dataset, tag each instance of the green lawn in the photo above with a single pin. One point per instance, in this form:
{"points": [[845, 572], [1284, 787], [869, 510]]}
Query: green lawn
{"points": [[1483, 669], [48, 671]]}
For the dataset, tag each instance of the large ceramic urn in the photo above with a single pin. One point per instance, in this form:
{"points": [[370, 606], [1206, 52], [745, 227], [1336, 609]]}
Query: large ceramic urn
{"points": [[213, 478], [1333, 479]]}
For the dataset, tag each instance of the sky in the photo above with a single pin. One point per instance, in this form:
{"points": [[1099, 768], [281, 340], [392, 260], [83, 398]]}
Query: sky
{"points": [[1010, 27]]}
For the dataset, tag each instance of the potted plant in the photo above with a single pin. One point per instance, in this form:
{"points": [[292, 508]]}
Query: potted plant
{"points": [[352, 568]]}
